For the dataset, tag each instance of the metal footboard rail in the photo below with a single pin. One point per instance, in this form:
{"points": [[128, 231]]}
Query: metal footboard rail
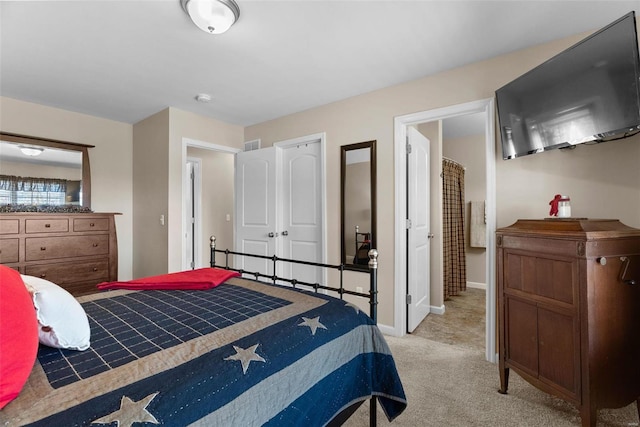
{"points": [[372, 295]]}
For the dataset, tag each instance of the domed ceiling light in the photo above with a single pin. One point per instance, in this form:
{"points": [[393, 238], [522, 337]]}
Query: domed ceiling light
{"points": [[31, 151], [212, 16]]}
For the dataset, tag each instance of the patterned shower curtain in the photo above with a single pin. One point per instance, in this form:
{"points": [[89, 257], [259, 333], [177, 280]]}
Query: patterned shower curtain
{"points": [[455, 268]]}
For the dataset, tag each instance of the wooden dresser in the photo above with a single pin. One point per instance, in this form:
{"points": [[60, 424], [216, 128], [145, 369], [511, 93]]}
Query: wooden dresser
{"points": [[75, 251], [569, 310]]}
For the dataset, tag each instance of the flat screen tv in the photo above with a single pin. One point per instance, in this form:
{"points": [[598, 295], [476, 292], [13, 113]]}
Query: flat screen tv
{"points": [[589, 92]]}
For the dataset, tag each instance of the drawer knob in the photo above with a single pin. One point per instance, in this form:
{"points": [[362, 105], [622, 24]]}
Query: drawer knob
{"points": [[92, 225], [47, 226], [95, 245], [43, 275], [95, 268], [43, 248]]}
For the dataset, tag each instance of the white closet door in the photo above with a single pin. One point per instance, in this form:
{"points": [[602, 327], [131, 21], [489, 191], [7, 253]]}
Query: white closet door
{"points": [[256, 196], [419, 231], [301, 229]]}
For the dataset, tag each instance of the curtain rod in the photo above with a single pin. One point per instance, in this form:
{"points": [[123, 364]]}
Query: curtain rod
{"points": [[457, 163]]}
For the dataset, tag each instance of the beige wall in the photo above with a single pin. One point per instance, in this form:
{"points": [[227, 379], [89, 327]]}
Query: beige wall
{"points": [[601, 180], [111, 159], [217, 171], [150, 188], [35, 170], [469, 151]]}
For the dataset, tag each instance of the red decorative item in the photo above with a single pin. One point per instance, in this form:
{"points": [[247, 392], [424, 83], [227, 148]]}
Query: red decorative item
{"points": [[554, 205]]}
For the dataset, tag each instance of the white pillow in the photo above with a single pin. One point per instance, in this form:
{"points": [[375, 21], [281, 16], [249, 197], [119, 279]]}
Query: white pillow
{"points": [[62, 320]]}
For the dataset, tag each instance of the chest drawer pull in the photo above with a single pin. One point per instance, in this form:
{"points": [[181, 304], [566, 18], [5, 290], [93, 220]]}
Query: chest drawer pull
{"points": [[43, 275], [47, 226], [92, 225], [95, 268], [95, 245], [43, 248]]}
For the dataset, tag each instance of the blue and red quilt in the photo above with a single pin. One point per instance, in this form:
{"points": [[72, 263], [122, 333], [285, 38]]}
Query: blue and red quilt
{"points": [[241, 354]]}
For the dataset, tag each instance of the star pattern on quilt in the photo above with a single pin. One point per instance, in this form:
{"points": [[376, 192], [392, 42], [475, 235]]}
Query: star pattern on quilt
{"points": [[130, 412], [313, 324], [355, 307], [246, 356]]}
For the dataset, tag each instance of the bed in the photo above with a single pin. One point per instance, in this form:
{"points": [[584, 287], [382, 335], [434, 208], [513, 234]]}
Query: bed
{"points": [[243, 353]]}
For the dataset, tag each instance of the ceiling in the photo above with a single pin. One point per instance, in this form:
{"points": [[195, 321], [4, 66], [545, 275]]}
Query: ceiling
{"points": [[127, 60]]}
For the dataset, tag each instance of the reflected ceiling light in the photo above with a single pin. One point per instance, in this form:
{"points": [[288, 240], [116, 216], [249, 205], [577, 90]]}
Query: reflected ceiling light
{"points": [[212, 16], [31, 151]]}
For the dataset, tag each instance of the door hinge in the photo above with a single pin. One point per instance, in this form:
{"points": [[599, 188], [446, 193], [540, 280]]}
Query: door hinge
{"points": [[408, 224], [408, 299], [408, 148], [193, 265]]}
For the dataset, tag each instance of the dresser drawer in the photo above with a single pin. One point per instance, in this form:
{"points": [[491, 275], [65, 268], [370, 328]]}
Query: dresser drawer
{"points": [[9, 226], [9, 250], [71, 272], [49, 225], [91, 224], [41, 248]]}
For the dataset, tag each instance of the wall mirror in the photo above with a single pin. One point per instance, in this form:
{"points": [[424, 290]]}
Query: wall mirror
{"points": [[38, 171], [358, 203]]}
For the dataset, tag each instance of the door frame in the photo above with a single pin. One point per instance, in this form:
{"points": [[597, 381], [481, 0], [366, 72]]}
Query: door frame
{"points": [[188, 142], [197, 214], [486, 106]]}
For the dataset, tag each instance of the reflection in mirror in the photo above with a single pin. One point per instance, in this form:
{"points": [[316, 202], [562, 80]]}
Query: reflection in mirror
{"points": [[37, 171], [358, 195]]}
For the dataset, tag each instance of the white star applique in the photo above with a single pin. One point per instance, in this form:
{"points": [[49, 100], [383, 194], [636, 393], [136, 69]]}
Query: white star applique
{"points": [[246, 356], [130, 412], [355, 307], [313, 324]]}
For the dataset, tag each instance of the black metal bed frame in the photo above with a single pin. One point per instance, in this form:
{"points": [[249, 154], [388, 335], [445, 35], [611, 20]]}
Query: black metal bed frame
{"points": [[372, 295]]}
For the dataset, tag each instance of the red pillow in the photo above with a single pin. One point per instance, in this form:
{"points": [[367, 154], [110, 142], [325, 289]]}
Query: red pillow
{"points": [[18, 334]]}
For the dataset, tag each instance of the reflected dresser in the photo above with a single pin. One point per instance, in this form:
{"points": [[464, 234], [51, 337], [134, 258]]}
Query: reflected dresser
{"points": [[76, 251], [569, 310]]}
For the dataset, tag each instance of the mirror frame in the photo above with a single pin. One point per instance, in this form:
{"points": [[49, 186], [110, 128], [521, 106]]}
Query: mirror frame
{"points": [[53, 143], [343, 169]]}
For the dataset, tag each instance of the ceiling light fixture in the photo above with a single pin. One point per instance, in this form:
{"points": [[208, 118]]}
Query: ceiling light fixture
{"points": [[31, 151], [212, 16]]}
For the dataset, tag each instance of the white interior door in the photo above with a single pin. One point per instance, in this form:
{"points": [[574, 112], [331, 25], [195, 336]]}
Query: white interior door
{"points": [[256, 208], [418, 229], [300, 233]]}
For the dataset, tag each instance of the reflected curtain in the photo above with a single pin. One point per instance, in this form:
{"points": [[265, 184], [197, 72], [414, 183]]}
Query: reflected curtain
{"points": [[21, 183], [455, 267]]}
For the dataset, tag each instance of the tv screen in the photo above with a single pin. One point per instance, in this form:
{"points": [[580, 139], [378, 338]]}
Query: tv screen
{"points": [[588, 92]]}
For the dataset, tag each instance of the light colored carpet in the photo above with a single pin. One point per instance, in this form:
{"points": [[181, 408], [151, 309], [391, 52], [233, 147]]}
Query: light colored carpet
{"points": [[449, 383]]}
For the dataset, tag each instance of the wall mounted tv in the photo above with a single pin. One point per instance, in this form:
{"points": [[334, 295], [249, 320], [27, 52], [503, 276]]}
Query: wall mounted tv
{"points": [[589, 92]]}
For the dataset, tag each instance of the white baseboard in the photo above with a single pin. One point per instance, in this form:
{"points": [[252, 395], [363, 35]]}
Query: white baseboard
{"points": [[388, 330], [477, 285], [437, 310]]}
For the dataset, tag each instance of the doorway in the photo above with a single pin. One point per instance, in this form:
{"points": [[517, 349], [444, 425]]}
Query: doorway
{"points": [[213, 210], [486, 108]]}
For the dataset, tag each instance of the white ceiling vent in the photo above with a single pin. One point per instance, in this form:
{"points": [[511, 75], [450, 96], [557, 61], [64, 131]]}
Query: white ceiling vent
{"points": [[252, 145]]}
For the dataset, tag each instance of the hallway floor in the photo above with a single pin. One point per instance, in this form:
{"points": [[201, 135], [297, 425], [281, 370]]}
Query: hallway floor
{"points": [[463, 322]]}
